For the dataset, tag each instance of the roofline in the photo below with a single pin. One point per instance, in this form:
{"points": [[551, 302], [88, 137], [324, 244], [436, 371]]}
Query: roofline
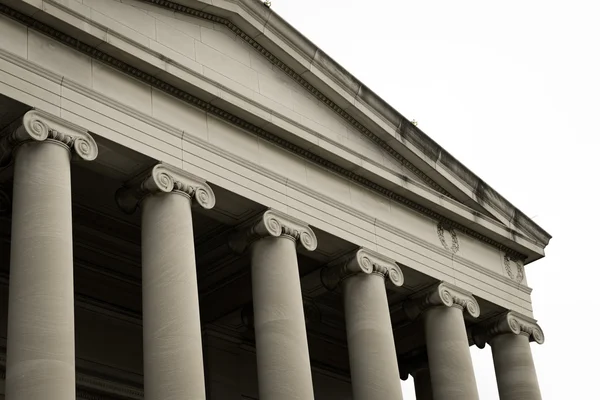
{"points": [[426, 148]]}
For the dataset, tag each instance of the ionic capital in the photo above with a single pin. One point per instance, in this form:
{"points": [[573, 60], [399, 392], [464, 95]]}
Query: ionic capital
{"points": [[442, 294], [363, 261], [276, 224], [508, 322], [38, 126], [164, 178]]}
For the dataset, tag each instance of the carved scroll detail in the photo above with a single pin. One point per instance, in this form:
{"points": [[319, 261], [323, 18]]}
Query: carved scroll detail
{"points": [[442, 294], [276, 224], [508, 322], [39, 126], [164, 178], [362, 261]]}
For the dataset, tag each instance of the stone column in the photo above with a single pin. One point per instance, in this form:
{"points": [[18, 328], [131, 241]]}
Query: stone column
{"points": [[41, 335], [450, 365], [417, 366], [173, 363], [281, 345], [509, 335], [373, 363]]}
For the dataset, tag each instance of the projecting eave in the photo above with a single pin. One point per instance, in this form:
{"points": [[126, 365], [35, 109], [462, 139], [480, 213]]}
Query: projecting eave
{"points": [[349, 95]]}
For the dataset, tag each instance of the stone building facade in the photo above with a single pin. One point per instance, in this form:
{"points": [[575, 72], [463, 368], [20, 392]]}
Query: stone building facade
{"points": [[197, 202]]}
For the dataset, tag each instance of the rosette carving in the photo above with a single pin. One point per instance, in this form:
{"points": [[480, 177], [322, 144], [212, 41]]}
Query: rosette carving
{"points": [[276, 224], [442, 294], [39, 126], [362, 261], [508, 322], [164, 178]]}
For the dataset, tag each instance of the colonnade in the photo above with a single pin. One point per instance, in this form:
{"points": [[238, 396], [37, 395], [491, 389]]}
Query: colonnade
{"points": [[41, 355]]}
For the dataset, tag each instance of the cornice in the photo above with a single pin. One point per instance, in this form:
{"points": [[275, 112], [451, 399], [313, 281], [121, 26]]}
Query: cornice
{"points": [[164, 178], [276, 224], [197, 102], [442, 294], [507, 323], [363, 261], [38, 126]]}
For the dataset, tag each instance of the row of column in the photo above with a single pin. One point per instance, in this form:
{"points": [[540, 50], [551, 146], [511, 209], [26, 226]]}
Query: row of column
{"points": [[41, 356]]}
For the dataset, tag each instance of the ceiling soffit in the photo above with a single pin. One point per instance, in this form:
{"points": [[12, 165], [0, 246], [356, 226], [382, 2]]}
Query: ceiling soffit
{"points": [[97, 54]]}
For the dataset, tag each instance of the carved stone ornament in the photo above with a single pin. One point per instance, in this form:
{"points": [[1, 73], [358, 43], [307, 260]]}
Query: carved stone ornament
{"points": [[38, 126], [164, 178], [442, 294], [508, 322], [362, 261], [453, 246], [514, 268], [276, 224]]}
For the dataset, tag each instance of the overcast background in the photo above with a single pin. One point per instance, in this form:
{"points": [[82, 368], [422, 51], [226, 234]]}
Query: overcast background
{"points": [[512, 90]]}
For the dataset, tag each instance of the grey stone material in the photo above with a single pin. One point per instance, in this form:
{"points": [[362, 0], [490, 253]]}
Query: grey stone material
{"points": [[41, 334], [173, 361], [283, 362], [418, 366], [373, 364], [450, 364], [509, 335], [164, 178]]}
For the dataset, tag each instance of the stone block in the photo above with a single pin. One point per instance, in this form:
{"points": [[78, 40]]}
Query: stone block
{"points": [[175, 39], [13, 37], [59, 58], [124, 14], [179, 114], [121, 87]]}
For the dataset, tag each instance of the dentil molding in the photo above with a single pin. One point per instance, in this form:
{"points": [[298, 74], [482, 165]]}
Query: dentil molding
{"points": [[38, 126], [275, 224], [507, 323], [362, 261], [164, 178], [442, 294]]}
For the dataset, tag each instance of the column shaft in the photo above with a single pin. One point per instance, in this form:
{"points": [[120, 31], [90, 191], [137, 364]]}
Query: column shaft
{"points": [[515, 371], [281, 343], [173, 364], [41, 339], [423, 390], [371, 347], [450, 365]]}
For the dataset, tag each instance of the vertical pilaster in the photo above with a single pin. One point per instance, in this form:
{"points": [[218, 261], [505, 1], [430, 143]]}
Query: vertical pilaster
{"points": [[282, 356], [509, 336], [373, 363], [41, 335], [173, 360], [450, 365]]}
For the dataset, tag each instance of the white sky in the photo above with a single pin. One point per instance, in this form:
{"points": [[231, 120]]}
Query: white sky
{"points": [[511, 89]]}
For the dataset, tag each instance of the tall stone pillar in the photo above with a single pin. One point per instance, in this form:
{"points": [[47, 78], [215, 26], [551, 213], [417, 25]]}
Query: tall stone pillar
{"points": [[281, 344], [41, 335], [450, 365], [373, 363], [418, 367], [173, 363], [509, 335]]}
